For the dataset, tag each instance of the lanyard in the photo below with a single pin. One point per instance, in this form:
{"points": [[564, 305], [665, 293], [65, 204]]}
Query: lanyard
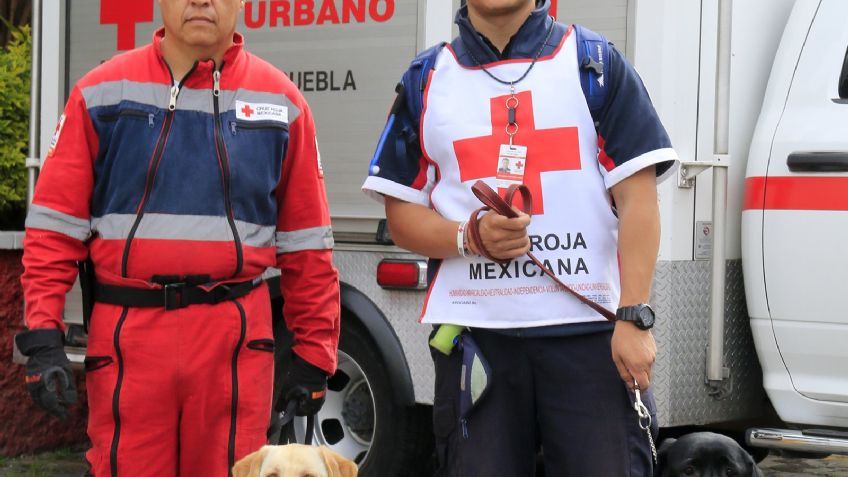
{"points": [[512, 101]]}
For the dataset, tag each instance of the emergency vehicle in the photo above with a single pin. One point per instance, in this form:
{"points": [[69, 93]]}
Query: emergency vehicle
{"points": [[751, 280]]}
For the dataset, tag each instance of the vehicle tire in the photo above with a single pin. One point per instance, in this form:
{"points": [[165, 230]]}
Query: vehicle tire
{"points": [[360, 418]]}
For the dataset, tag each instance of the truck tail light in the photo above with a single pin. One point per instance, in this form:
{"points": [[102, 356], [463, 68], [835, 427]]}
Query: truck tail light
{"points": [[406, 274]]}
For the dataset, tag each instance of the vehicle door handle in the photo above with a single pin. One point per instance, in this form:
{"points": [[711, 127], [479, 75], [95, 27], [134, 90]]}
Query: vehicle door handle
{"points": [[818, 161]]}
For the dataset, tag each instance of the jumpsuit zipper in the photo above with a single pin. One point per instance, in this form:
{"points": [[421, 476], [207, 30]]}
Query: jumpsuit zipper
{"points": [[158, 152], [235, 126], [128, 113], [116, 395], [223, 160], [231, 441]]}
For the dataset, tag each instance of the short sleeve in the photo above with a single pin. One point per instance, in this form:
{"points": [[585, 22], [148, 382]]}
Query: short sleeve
{"points": [[398, 168], [630, 134]]}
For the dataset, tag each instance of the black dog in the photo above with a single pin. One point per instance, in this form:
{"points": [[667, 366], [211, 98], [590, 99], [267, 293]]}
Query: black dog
{"points": [[704, 454]]}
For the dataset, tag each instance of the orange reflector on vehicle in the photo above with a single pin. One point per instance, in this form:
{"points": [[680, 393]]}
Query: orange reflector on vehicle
{"points": [[399, 274]]}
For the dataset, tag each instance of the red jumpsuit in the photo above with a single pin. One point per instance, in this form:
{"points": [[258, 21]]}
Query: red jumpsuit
{"points": [[215, 175]]}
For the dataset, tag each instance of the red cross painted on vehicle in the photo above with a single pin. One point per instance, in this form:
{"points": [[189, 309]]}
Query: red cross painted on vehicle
{"points": [[247, 110], [555, 149], [126, 14]]}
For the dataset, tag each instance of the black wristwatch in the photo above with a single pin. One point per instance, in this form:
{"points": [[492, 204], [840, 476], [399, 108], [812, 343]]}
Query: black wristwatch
{"points": [[641, 315]]}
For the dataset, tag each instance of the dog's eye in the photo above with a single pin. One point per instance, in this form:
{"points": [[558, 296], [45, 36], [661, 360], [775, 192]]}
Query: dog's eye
{"points": [[271, 475], [728, 472], [689, 470]]}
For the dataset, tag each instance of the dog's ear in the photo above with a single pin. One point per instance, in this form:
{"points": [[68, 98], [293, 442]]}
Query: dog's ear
{"points": [[338, 466], [250, 464], [662, 456], [666, 443], [755, 471]]}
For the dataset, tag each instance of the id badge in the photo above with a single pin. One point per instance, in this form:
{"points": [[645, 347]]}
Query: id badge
{"points": [[511, 162]]}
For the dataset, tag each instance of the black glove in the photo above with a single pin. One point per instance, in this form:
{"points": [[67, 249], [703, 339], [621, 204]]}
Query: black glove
{"points": [[304, 383], [48, 372]]}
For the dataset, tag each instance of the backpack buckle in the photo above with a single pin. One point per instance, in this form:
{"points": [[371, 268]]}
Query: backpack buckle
{"points": [[589, 63]]}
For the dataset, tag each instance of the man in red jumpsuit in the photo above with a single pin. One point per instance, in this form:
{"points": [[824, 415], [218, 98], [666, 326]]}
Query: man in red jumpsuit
{"points": [[182, 170]]}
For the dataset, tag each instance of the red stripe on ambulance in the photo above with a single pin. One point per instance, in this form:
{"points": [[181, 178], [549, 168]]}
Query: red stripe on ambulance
{"points": [[796, 193]]}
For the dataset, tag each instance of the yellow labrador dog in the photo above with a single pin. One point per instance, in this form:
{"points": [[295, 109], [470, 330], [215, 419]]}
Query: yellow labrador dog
{"points": [[294, 460]]}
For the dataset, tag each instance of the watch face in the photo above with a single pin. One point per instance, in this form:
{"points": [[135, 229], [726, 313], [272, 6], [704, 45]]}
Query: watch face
{"points": [[646, 316]]}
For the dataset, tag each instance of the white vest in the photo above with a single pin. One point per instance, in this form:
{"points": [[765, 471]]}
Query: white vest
{"points": [[577, 233]]}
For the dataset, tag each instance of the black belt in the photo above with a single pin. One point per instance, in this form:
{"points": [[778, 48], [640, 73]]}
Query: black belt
{"points": [[172, 296]]}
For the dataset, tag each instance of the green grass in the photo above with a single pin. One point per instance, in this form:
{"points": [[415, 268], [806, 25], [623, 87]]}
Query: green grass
{"points": [[66, 462]]}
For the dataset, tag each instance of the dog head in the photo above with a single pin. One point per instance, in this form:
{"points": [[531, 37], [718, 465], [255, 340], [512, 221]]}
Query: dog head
{"points": [[704, 454], [294, 460]]}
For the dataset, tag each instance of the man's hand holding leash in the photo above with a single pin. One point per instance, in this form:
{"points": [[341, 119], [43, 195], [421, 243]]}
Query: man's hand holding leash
{"points": [[505, 238], [634, 352], [633, 346]]}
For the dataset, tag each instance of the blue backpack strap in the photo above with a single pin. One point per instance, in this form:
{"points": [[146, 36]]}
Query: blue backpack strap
{"points": [[419, 73], [410, 95], [593, 58]]}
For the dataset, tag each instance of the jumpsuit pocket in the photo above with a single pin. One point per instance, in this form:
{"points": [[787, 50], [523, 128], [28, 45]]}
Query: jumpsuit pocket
{"points": [[93, 363], [244, 126], [128, 113], [265, 344], [101, 375], [255, 391]]}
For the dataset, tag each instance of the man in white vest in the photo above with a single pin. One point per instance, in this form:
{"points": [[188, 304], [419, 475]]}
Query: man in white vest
{"points": [[513, 88]]}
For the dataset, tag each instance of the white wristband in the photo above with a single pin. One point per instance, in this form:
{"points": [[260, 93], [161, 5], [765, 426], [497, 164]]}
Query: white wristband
{"points": [[460, 239]]}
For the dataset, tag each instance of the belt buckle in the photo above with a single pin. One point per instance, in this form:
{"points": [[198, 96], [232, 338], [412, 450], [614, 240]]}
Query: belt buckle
{"points": [[174, 294]]}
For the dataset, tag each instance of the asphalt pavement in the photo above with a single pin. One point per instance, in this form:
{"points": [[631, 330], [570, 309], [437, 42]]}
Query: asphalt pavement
{"points": [[833, 466]]}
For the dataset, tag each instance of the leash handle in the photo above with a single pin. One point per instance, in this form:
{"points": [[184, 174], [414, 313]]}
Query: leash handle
{"points": [[493, 201], [286, 424]]}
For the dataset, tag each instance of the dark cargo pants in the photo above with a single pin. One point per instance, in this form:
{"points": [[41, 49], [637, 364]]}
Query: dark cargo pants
{"points": [[563, 393]]}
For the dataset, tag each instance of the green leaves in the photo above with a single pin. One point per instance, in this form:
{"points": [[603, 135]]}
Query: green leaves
{"points": [[14, 119]]}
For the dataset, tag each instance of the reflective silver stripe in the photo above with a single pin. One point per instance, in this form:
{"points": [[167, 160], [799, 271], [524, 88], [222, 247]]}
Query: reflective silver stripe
{"points": [[110, 93], [40, 217], [183, 227], [316, 238]]}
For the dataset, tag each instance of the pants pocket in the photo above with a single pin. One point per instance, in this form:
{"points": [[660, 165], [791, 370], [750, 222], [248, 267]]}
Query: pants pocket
{"points": [[444, 430], [444, 417], [101, 372]]}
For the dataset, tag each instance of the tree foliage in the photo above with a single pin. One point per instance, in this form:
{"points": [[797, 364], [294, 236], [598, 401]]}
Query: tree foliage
{"points": [[16, 13], [14, 118]]}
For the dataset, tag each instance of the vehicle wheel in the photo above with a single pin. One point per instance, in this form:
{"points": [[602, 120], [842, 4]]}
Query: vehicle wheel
{"points": [[361, 420]]}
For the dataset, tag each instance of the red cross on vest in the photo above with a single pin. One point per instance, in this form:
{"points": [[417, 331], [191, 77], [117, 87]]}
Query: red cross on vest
{"points": [[247, 110], [125, 14], [555, 149]]}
